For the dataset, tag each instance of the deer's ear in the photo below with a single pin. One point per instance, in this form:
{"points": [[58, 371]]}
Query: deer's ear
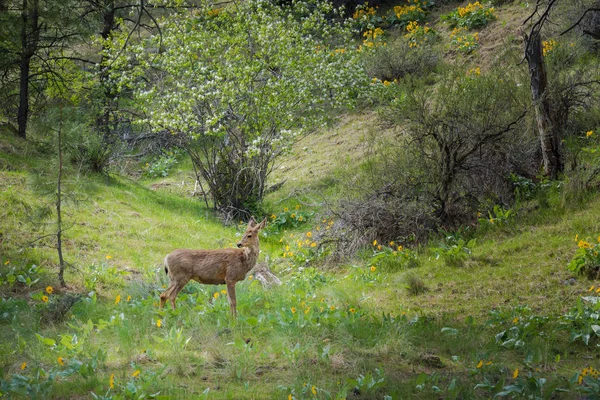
{"points": [[262, 224], [251, 223]]}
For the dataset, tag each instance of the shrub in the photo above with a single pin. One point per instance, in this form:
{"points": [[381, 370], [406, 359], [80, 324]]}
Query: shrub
{"points": [[414, 284], [464, 41], [586, 260], [400, 58]]}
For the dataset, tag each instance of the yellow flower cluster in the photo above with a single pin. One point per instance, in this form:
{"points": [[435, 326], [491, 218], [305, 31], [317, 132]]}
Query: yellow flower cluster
{"points": [[584, 245], [474, 71], [372, 34], [463, 39], [401, 10], [364, 12], [414, 31], [470, 8], [589, 134], [594, 373], [548, 46]]}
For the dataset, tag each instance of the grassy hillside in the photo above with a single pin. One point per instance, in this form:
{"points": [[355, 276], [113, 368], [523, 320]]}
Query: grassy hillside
{"points": [[356, 332], [491, 310]]}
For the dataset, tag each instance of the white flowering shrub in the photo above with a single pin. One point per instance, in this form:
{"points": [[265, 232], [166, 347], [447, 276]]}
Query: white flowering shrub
{"points": [[241, 84]]}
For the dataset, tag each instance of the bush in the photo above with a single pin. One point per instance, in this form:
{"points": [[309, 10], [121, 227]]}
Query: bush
{"points": [[399, 59], [473, 16], [460, 141], [587, 259]]}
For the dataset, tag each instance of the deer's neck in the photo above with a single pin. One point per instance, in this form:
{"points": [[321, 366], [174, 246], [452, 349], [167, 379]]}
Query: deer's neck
{"points": [[251, 256]]}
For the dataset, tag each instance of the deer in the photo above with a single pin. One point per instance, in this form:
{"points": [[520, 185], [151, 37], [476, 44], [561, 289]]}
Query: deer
{"points": [[213, 267]]}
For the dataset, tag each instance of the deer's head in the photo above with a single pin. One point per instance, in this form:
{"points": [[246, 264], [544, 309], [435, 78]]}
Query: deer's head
{"points": [[250, 237]]}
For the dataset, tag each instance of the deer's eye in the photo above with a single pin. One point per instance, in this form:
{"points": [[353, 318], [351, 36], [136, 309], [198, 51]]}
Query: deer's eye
{"points": [[249, 236]]}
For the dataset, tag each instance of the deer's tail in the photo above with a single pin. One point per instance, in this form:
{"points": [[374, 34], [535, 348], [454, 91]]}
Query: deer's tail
{"points": [[166, 265]]}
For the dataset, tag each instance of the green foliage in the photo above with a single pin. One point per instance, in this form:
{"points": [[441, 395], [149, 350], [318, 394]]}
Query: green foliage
{"points": [[497, 216], [414, 284], [20, 275], [464, 41], [583, 321], [473, 16], [161, 166], [368, 384], [288, 219], [586, 260], [454, 251], [393, 257]]}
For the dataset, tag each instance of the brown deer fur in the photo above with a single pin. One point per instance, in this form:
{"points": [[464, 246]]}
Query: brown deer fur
{"points": [[213, 267]]}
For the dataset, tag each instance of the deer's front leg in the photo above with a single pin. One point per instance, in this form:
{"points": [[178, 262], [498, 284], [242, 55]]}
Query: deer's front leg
{"points": [[231, 297]]}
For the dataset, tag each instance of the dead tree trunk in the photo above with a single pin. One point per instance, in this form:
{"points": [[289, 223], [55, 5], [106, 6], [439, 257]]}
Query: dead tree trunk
{"points": [[549, 141]]}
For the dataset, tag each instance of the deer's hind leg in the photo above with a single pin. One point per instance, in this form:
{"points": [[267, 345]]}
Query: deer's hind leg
{"points": [[172, 291]]}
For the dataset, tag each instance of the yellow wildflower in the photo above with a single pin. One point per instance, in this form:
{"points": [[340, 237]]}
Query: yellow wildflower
{"points": [[480, 364], [49, 289], [352, 310], [223, 291], [399, 248], [250, 277], [60, 360], [589, 133], [158, 323], [516, 373], [308, 234], [45, 299], [293, 310], [108, 257], [583, 244], [332, 308], [591, 289], [136, 373], [216, 295], [300, 218], [24, 365], [118, 299], [313, 390], [375, 242], [290, 397], [297, 206], [6, 262], [293, 215], [516, 320], [111, 382], [273, 216], [286, 209], [313, 244], [307, 310], [373, 269]]}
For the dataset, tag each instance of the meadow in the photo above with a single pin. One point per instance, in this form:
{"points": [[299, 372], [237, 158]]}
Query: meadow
{"points": [[505, 305]]}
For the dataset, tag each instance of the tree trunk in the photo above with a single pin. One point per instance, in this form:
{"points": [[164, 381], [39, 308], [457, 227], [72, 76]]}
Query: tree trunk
{"points": [[61, 272], [29, 43], [549, 141], [108, 25]]}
